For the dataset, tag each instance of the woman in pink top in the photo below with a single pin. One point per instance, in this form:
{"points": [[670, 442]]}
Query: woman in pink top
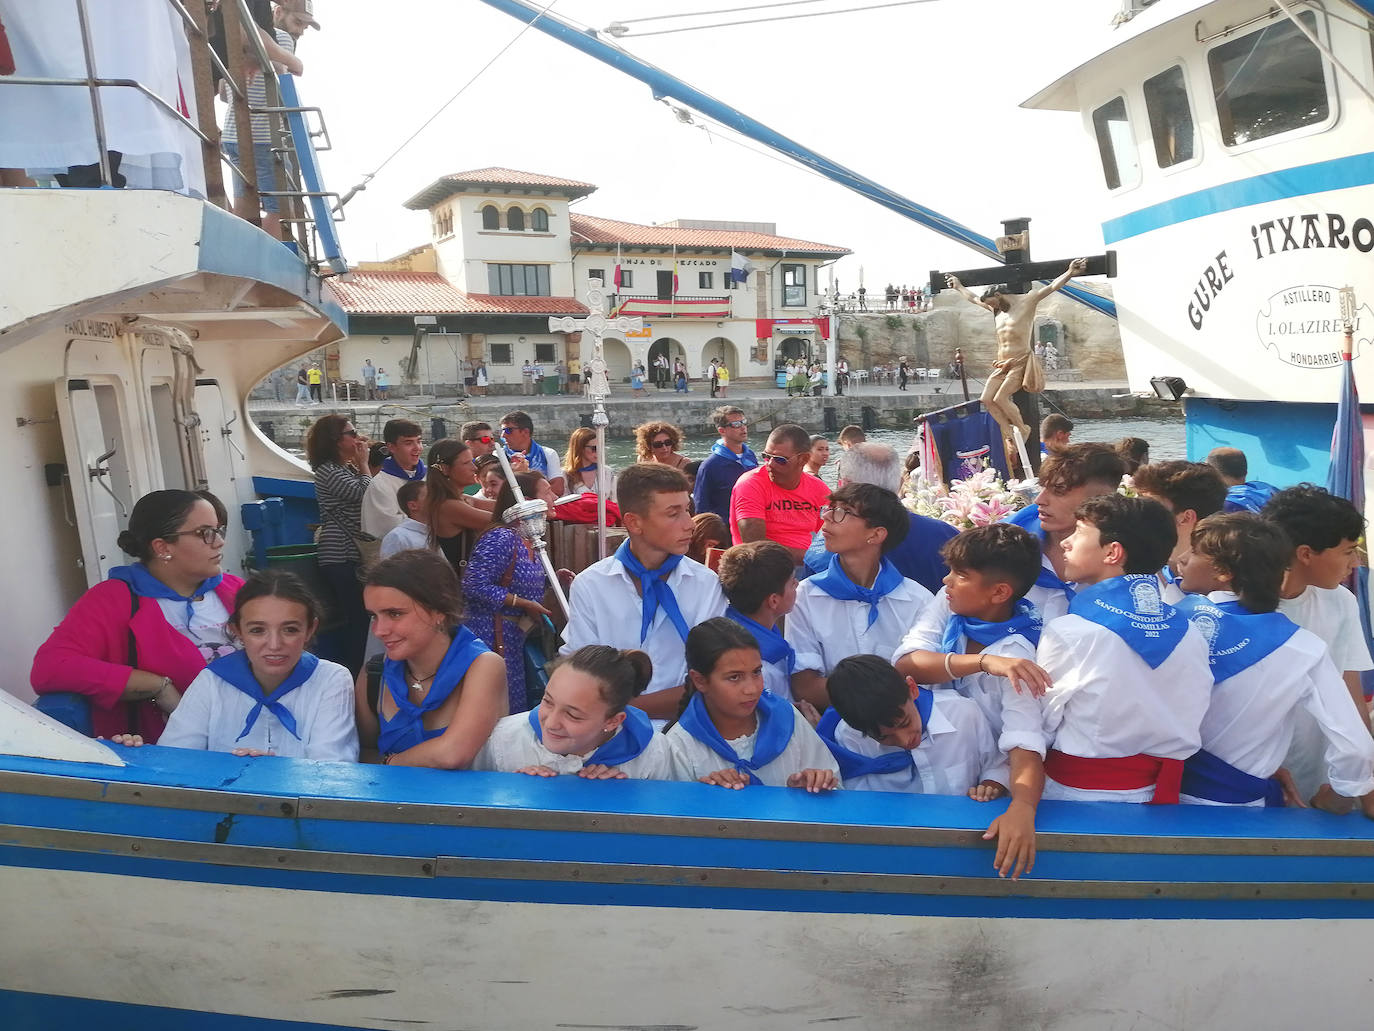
{"points": [[133, 643]]}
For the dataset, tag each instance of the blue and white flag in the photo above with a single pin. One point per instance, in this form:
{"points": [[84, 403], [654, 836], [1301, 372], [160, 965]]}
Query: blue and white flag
{"points": [[740, 267]]}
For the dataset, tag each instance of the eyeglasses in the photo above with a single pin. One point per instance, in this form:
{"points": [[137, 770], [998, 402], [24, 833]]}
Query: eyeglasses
{"points": [[207, 534], [350, 432], [659, 444], [506, 431], [779, 459], [835, 513], [735, 424], [479, 440], [590, 447]]}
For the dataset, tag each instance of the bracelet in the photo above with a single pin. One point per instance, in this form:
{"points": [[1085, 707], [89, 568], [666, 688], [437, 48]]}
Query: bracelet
{"points": [[981, 657], [386, 759], [949, 672]]}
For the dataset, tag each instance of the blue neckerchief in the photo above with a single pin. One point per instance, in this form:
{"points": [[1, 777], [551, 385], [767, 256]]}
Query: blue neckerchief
{"points": [[1024, 621], [534, 457], [588, 468], [234, 670], [1248, 497], [634, 736], [654, 590], [773, 647], [855, 764], [1049, 580], [393, 467], [146, 585], [1206, 776], [1130, 607], [745, 458], [1028, 518], [1170, 577], [1236, 637], [776, 724], [405, 729], [835, 582]]}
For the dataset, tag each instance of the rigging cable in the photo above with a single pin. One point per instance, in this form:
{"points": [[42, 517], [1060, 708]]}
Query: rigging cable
{"points": [[617, 29]]}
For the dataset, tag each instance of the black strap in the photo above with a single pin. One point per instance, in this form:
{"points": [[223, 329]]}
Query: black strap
{"points": [[133, 659]]}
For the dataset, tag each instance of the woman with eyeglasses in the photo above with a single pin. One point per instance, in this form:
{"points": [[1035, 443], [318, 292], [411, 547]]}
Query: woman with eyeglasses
{"points": [[338, 453], [659, 442], [133, 643], [582, 463]]}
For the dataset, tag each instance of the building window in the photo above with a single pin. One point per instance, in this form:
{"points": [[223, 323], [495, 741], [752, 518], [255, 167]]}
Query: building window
{"points": [[1171, 118], [518, 280], [627, 278], [794, 286], [730, 283], [539, 220], [1120, 164], [544, 354], [704, 280], [500, 355], [515, 219], [598, 273], [1269, 82], [491, 218]]}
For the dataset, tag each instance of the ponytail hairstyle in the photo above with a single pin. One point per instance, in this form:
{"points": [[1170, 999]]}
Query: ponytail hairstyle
{"points": [[706, 643], [159, 515], [273, 583], [622, 674]]}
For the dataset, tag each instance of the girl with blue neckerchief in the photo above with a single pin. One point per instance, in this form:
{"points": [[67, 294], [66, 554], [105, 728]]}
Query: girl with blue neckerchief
{"points": [[273, 697], [584, 724], [731, 732], [441, 689]]}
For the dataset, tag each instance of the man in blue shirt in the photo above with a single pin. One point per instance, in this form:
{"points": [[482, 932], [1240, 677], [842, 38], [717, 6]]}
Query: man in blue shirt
{"points": [[730, 458], [1241, 495]]}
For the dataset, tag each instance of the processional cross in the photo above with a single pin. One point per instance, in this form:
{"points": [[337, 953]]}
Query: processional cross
{"points": [[596, 324]]}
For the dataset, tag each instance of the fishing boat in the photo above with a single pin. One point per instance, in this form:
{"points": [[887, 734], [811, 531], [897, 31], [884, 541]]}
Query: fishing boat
{"points": [[159, 887]]}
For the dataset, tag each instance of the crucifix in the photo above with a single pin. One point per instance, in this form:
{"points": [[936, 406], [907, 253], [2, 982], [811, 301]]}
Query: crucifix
{"points": [[598, 385], [1012, 297]]}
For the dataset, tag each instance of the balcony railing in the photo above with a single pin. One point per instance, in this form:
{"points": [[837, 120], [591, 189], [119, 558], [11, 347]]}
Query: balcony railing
{"points": [[683, 306]]}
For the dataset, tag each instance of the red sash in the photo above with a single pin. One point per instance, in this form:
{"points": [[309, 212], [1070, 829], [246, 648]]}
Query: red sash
{"points": [[1118, 774]]}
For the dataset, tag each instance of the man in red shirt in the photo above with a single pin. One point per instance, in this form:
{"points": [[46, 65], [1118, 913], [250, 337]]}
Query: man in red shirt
{"points": [[779, 501]]}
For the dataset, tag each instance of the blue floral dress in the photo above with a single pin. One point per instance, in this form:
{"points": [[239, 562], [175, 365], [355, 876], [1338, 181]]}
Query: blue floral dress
{"points": [[500, 564]]}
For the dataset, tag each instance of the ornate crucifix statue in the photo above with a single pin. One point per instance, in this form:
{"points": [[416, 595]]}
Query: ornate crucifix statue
{"points": [[598, 385]]}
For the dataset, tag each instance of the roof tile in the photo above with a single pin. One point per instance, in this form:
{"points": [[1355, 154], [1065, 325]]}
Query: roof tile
{"points": [[609, 231], [427, 293]]}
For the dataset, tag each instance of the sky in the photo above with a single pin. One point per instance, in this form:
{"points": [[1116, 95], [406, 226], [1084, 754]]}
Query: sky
{"points": [[921, 98]]}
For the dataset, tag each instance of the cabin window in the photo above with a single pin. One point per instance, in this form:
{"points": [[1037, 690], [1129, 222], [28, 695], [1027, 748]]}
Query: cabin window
{"points": [[491, 218], [1269, 82], [515, 219], [1120, 164], [539, 220], [500, 354], [518, 280], [1171, 117], [794, 286]]}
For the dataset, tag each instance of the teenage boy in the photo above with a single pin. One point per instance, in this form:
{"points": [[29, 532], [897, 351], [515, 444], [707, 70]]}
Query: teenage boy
{"points": [[1242, 495], [1067, 479], [1266, 669], [779, 501], [402, 465], [1325, 531], [1054, 433], [860, 604], [1130, 679], [760, 584], [851, 435], [517, 430], [648, 595], [1191, 491], [730, 458], [413, 530]]}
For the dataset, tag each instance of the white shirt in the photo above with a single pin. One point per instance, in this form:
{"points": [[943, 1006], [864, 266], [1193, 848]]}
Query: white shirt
{"points": [[408, 535], [825, 630], [957, 752], [606, 609], [1250, 719], [691, 760], [1049, 602], [513, 746], [1014, 717], [206, 628], [212, 713], [776, 678], [1106, 702], [381, 513]]}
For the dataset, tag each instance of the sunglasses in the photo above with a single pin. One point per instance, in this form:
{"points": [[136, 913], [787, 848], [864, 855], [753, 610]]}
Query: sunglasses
{"points": [[350, 433], [208, 534], [659, 444], [737, 423], [480, 440], [590, 447], [779, 459], [506, 431]]}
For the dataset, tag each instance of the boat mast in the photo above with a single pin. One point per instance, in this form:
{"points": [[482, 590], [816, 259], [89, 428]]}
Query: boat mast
{"points": [[665, 85]]}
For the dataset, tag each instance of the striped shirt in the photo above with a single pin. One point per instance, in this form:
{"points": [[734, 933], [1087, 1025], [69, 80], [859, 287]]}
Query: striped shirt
{"points": [[257, 98], [339, 490]]}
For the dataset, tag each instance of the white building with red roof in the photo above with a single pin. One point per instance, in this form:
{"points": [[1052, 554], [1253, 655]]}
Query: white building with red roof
{"points": [[507, 251]]}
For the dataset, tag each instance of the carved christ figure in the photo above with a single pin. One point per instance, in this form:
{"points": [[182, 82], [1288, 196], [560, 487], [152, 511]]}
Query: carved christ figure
{"points": [[1016, 367]]}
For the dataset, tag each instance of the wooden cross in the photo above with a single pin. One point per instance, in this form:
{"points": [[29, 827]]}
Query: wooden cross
{"points": [[1019, 272]]}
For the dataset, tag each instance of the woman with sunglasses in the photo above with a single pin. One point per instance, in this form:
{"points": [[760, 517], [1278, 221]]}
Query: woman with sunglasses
{"points": [[659, 442], [134, 642], [581, 464]]}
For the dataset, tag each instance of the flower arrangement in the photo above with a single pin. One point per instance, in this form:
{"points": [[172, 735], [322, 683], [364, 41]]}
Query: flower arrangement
{"points": [[979, 500]]}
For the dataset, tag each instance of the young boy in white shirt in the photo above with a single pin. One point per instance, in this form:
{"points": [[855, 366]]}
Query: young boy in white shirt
{"points": [[1130, 680], [413, 531], [1191, 491], [1267, 669], [759, 580], [1325, 531], [648, 595], [403, 464]]}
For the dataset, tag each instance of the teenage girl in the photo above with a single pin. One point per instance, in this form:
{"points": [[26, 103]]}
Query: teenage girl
{"points": [[583, 724], [731, 732]]}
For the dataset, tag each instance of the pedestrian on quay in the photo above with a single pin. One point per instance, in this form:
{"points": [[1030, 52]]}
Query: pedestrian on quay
{"points": [[369, 380], [315, 378]]}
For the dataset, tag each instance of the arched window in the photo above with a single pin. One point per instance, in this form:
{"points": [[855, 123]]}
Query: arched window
{"points": [[515, 219], [539, 220], [491, 218]]}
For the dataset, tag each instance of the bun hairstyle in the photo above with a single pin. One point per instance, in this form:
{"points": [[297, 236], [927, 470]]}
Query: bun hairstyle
{"points": [[272, 583], [425, 578], [157, 515], [623, 674], [706, 643]]}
